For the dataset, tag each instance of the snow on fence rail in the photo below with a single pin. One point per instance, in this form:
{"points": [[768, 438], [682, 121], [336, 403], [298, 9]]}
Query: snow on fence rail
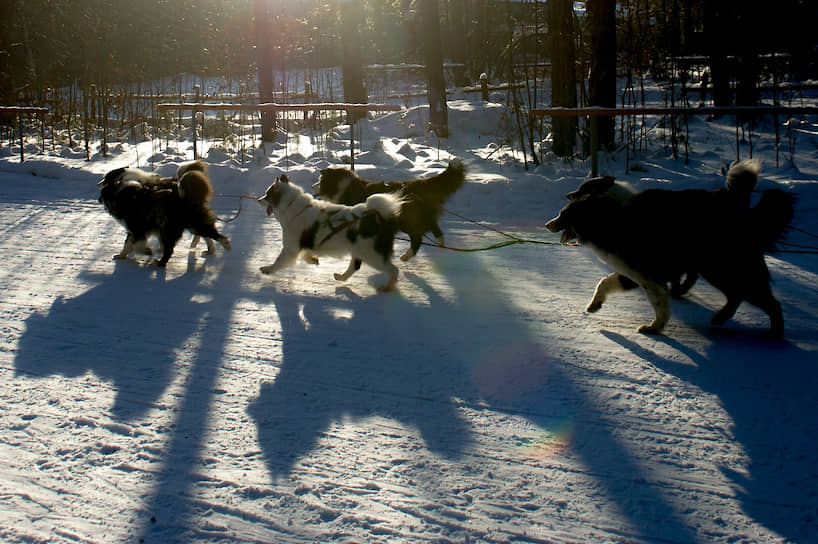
{"points": [[739, 111], [20, 111], [274, 107]]}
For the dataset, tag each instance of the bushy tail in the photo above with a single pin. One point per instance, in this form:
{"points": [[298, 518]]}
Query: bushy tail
{"points": [[387, 205], [447, 182], [771, 217], [742, 179], [195, 187]]}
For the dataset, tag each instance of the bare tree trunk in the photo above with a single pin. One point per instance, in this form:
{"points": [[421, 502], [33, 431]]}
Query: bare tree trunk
{"points": [[457, 39], [352, 63], [717, 22], [436, 84], [602, 84], [563, 74], [264, 60], [8, 16]]}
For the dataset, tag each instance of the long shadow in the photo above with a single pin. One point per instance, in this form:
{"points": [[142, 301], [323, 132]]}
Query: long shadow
{"points": [[183, 452], [124, 330], [769, 390], [384, 355]]}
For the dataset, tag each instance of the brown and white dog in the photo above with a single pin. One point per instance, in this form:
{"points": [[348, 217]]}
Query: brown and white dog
{"points": [[422, 198], [655, 236]]}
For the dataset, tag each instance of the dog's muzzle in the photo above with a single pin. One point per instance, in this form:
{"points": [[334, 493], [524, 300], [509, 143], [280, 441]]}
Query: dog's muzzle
{"points": [[266, 204], [568, 233]]}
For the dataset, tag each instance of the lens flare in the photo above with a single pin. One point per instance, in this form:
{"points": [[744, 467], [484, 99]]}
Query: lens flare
{"points": [[552, 443]]}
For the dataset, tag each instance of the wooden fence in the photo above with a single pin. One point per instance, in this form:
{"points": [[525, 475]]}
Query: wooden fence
{"points": [[19, 111], [739, 111], [273, 107]]}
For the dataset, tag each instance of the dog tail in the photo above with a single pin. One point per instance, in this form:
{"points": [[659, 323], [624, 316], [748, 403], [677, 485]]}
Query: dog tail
{"points": [[194, 186], [742, 179], [452, 178], [387, 205], [771, 217], [442, 186], [197, 166]]}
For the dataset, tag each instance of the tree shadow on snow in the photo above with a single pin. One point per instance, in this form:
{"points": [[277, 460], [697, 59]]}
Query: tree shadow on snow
{"points": [[351, 358], [769, 391], [125, 330]]}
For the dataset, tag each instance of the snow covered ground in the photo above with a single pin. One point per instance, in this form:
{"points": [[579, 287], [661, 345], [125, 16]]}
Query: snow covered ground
{"points": [[478, 403]]}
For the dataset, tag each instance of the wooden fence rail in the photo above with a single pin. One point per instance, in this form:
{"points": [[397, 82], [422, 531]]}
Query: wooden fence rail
{"points": [[19, 111], [596, 111], [274, 107]]}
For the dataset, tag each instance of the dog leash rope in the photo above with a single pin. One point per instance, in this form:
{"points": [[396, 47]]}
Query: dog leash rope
{"points": [[802, 231], [240, 197]]}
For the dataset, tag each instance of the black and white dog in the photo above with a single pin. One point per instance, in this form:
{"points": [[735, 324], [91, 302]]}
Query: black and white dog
{"points": [[146, 204], [312, 227], [653, 237]]}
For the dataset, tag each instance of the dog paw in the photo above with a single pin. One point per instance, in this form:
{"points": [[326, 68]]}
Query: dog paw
{"points": [[406, 256], [312, 260], [225, 244], [594, 306], [267, 269], [339, 277], [719, 318], [119, 257], [649, 329]]}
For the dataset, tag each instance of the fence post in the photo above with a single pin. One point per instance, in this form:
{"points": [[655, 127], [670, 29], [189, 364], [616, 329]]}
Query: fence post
{"points": [[594, 146], [197, 91], [351, 140], [20, 124]]}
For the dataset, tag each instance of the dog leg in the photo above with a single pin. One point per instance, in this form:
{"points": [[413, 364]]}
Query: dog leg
{"points": [[414, 245], [612, 283], [767, 302], [169, 238], [678, 290], [392, 271], [195, 241], [438, 234], [127, 248], [384, 265], [659, 298], [141, 246], [727, 311], [210, 232], [284, 259], [354, 266]]}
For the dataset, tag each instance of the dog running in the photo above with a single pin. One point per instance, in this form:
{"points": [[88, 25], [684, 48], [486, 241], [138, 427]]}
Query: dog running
{"points": [[145, 203], [312, 227], [657, 235], [422, 198]]}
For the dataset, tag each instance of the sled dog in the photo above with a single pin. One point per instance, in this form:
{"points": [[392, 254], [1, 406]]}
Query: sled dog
{"points": [[312, 227], [655, 236], [422, 198], [145, 203]]}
